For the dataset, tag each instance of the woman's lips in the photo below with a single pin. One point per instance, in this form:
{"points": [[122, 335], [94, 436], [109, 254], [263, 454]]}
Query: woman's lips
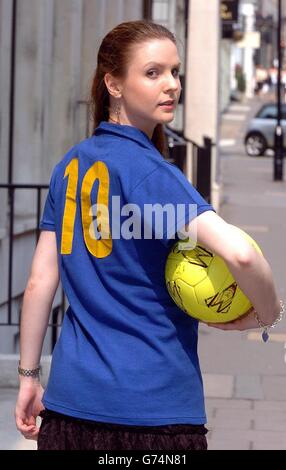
{"points": [[170, 105]]}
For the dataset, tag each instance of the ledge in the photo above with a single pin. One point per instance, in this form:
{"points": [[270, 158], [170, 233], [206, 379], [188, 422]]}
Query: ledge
{"points": [[9, 374]]}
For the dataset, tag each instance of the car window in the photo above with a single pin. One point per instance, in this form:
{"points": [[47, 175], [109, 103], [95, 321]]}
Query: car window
{"points": [[268, 112]]}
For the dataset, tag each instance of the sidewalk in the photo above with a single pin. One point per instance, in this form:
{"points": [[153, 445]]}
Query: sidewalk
{"points": [[245, 380]]}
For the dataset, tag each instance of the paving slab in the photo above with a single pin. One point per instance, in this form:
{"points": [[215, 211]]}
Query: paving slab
{"points": [[274, 387], [218, 385], [248, 386]]}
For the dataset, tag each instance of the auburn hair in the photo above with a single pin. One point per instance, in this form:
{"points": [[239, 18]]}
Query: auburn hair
{"points": [[113, 57]]}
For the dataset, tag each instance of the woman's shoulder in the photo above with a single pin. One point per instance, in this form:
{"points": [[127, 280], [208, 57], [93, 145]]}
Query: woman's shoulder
{"points": [[124, 157]]}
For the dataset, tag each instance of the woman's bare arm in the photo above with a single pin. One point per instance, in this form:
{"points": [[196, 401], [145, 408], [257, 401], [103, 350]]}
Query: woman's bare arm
{"points": [[37, 304], [38, 299], [251, 270]]}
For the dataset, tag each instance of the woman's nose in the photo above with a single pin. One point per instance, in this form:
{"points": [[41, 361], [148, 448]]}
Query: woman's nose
{"points": [[173, 83]]}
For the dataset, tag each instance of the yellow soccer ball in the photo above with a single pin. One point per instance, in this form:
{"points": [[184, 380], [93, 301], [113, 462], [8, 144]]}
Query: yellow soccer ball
{"points": [[201, 284]]}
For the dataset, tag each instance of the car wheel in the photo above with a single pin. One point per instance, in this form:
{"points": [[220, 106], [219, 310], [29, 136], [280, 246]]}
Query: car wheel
{"points": [[255, 144]]}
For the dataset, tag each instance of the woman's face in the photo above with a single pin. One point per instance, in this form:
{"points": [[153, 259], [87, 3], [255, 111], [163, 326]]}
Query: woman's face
{"points": [[152, 79]]}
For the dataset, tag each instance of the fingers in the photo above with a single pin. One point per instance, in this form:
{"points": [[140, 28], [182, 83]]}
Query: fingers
{"points": [[221, 326], [233, 325], [32, 435], [29, 431], [241, 324]]}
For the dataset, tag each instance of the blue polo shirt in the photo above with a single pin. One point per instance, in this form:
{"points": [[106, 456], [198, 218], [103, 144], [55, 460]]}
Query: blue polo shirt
{"points": [[126, 353]]}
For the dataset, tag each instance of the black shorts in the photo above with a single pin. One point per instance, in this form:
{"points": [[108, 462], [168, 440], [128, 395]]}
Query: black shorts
{"points": [[61, 432]]}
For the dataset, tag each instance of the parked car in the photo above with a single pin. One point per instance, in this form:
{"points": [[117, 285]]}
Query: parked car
{"points": [[260, 131]]}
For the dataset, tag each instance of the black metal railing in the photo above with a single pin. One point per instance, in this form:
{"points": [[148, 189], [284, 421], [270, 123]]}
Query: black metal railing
{"points": [[177, 148], [58, 310], [201, 159]]}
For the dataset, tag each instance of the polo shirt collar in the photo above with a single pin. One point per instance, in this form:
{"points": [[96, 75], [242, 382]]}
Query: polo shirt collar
{"points": [[129, 132]]}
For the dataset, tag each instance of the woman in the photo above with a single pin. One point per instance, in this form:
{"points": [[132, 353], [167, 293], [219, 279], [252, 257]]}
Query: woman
{"points": [[125, 372]]}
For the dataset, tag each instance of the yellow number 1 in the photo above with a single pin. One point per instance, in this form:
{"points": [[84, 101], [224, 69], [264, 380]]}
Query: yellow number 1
{"points": [[98, 171], [70, 207]]}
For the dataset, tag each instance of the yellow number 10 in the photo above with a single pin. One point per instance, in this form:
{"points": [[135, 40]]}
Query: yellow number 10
{"points": [[98, 171]]}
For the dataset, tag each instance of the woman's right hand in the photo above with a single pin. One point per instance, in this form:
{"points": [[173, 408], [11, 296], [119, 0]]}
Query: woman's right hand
{"points": [[28, 407]]}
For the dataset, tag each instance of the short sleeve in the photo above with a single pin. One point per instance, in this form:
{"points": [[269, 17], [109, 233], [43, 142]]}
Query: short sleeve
{"points": [[48, 218], [168, 191]]}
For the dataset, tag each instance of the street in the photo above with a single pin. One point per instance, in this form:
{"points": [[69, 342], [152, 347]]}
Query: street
{"points": [[245, 378]]}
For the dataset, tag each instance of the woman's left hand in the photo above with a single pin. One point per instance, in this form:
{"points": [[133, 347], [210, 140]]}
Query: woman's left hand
{"points": [[245, 322]]}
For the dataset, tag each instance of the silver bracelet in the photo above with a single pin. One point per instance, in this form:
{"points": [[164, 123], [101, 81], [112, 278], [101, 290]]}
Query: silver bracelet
{"points": [[261, 324], [35, 373]]}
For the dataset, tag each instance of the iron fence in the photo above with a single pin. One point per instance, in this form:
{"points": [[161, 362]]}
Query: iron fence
{"points": [[58, 310]]}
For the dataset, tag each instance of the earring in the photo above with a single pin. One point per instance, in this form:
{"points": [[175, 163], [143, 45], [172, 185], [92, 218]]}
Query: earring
{"points": [[116, 111]]}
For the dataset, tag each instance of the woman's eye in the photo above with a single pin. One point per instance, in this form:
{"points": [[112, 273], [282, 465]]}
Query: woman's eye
{"points": [[155, 73], [151, 72]]}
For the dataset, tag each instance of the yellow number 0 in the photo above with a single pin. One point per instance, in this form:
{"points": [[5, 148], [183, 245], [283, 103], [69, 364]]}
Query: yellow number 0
{"points": [[98, 248]]}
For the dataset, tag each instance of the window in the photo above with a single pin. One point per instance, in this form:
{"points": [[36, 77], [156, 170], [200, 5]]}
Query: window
{"points": [[268, 112]]}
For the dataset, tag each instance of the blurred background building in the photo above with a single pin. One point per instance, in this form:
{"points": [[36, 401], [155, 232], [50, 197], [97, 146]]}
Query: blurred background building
{"points": [[266, 23]]}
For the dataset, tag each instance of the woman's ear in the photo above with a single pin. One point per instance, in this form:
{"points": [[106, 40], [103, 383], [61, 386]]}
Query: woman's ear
{"points": [[113, 85]]}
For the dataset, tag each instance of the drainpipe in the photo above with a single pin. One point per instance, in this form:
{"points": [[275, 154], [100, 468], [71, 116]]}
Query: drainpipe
{"points": [[11, 154], [12, 94]]}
